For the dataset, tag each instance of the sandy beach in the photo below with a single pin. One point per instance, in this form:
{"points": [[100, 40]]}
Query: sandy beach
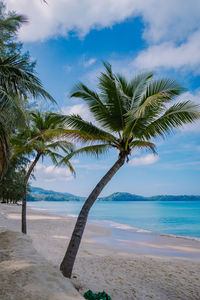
{"points": [[124, 275]]}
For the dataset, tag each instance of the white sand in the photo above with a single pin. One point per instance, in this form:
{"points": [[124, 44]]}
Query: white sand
{"points": [[124, 275]]}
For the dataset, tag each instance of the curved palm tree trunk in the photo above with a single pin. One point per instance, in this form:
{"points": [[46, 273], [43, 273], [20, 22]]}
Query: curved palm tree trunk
{"points": [[24, 190], [70, 255]]}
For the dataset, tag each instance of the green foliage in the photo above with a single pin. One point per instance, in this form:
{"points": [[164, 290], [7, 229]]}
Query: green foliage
{"points": [[33, 141], [99, 296], [131, 197], [11, 186], [38, 194], [18, 82], [9, 25], [128, 114]]}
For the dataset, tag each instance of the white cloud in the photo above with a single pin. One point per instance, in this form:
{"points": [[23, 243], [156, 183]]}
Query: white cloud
{"points": [[60, 17], [195, 96], [168, 20], [162, 19], [171, 28], [78, 109], [148, 159], [89, 62], [52, 173], [171, 55]]}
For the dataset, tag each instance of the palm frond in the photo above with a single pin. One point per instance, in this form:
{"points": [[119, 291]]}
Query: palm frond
{"points": [[16, 77], [153, 102], [177, 115], [94, 150], [111, 97], [136, 88], [64, 161], [61, 144], [12, 23], [143, 144], [76, 122], [167, 88]]}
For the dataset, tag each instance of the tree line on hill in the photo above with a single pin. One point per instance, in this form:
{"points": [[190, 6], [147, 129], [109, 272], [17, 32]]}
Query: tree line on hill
{"points": [[39, 194], [128, 114]]}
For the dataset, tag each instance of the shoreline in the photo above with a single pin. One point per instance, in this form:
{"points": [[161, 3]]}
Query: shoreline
{"points": [[139, 230], [119, 236], [122, 274], [113, 224]]}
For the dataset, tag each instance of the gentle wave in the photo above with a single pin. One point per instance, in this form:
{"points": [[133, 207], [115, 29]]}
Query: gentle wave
{"points": [[41, 209], [72, 216], [179, 236], [120, 226]]}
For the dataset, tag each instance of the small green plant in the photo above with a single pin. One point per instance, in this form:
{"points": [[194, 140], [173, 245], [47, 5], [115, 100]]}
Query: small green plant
{"points": [[89, 295]]}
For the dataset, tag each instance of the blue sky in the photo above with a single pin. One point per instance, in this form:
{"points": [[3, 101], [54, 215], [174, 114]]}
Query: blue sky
{"points": [[69, 40]]}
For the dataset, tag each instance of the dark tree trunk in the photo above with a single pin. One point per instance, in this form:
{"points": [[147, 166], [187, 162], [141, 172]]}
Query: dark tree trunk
{"points": [[67, 264], [24, 230]]}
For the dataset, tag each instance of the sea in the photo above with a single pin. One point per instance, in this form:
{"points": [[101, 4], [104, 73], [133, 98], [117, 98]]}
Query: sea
{"points": [[178, 218], [139, 225]]}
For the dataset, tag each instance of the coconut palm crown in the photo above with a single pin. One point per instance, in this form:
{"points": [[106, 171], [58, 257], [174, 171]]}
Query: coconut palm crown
{"points": [[127, 114], [32, 142]]}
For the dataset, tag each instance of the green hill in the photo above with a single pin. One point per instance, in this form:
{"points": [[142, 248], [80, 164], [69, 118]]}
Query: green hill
{"points": [[122, 197], [39, 194]]}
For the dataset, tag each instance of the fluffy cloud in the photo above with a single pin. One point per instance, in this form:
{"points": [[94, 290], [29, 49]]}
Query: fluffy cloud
{"points": [[170, 55], [78, 109], [148, 159], [59, 17], [168, 20], [162, 19], [51, 173], [171, 28]]}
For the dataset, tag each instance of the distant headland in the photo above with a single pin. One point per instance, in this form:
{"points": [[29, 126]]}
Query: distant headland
{"points": [[39, 194]]}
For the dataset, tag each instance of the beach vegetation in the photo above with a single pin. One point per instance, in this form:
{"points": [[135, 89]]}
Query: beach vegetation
{"points": [[32, 143], [11, 185], [18, 82]]}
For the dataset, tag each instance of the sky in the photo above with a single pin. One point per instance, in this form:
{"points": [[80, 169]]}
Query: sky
{"points": [[69, 39]]}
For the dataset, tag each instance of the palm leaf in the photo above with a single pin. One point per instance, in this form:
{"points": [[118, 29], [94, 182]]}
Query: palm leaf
{"points": [[94, 150], [143, 144], [84, 127], [177, 115]]}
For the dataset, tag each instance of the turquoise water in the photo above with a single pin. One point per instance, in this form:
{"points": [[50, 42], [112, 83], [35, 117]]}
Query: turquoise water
{"points": [[172, 217]]}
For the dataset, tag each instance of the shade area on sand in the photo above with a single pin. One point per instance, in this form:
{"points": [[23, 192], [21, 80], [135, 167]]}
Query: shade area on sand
{"points": [[124, 275]]}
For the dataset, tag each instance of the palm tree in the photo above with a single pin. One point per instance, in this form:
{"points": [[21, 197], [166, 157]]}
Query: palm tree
{"points": [[32, 142], [9, 25], [128, 115], [18, 83]]}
